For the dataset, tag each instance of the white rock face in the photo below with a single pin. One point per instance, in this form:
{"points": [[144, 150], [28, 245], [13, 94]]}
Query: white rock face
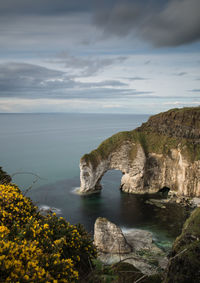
{"points": [[196, 202], [109, 238], [90, 178], [145, 174]]}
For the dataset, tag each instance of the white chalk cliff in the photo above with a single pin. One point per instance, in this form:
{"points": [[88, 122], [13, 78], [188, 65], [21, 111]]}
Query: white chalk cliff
{"points": [[164, 152]]}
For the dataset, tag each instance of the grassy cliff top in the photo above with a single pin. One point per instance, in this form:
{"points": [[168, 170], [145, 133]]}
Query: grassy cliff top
{"points": [[159, 134], [183, 122]]}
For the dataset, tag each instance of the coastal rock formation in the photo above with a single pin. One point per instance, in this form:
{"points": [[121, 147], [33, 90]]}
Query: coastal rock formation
{"points": [[163, 152], [134, 246], [109, 238]]}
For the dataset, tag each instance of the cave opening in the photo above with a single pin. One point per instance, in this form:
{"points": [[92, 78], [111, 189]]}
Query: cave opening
{"points": [[164, 191]]}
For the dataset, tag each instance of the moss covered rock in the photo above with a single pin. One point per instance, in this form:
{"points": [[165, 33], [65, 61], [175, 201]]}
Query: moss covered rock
{"points": [[185, 257]]}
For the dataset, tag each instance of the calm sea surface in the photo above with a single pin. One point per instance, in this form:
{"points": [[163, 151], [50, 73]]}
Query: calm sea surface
{"points": [[51, 145]]}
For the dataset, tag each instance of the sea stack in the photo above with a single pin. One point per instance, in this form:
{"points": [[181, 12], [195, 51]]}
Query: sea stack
{"points": [[109, 238]]}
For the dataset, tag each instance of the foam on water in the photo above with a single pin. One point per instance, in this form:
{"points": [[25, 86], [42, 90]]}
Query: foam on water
{"points": [[76, 191], [129, 230], [46, 208]]}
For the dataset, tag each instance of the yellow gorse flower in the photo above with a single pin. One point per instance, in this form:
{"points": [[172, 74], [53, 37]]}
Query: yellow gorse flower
{"points": [[36, 248]]}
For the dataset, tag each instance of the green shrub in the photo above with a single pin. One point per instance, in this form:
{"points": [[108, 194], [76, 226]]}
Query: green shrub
{"points": [[37, 248]]}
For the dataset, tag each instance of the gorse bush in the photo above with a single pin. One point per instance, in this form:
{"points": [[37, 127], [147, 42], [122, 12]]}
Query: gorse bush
{"points": [[37, 248]]}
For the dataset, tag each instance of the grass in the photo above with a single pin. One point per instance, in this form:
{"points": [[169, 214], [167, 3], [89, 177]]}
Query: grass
{"points": [[188, 116], [184, 263], [150, 140]]}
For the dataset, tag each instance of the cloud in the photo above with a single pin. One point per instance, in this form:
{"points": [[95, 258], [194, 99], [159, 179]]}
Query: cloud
{"points": [[182, 103], [23, 77], [49, 26], [110, 83], [180, 74], [147, 62], [38, 33], [85, 65], [44, 7], [178, 23], [136, 79], [33, 81], [195, 90], [172, 24]]}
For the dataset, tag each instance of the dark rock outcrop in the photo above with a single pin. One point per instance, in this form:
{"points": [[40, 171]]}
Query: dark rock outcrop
{"points": [[4, 177]]}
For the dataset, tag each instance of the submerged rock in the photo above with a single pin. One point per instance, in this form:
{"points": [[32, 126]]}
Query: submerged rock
{"points": [[157, 202]]}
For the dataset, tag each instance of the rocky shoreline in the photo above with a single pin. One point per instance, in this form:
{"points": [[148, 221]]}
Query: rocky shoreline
{"points": [[134, 246], [173, 198]]}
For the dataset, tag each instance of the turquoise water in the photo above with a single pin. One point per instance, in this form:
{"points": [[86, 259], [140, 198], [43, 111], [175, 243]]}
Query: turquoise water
{"points": [[51, 145]]}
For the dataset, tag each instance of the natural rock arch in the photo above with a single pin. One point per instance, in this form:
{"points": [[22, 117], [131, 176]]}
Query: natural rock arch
{"points": [[143, 174], [164, 152]]}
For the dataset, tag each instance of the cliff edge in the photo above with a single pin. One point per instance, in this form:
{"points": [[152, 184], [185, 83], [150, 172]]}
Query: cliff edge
{"points": [[163, 152], [183, 265]]}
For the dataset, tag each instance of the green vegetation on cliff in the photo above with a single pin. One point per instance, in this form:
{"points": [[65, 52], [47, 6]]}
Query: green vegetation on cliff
{"points": [[4, 177], [185, 257], [162, 132], [185, 117]]}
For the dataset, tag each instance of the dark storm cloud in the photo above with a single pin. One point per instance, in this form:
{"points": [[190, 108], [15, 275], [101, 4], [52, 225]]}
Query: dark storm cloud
{"points": [[162, 22], [27, 80], [51, 7], [44, 7], [175, 23]]}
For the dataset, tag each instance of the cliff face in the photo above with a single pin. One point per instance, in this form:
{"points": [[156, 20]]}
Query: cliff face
{"points": [[164, 152]]}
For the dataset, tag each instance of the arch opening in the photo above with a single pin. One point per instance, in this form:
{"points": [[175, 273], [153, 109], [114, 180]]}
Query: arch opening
{"points": [[111, 179]]}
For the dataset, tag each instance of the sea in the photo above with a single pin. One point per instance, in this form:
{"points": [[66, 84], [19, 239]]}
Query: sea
{"points": [[42, 152]]}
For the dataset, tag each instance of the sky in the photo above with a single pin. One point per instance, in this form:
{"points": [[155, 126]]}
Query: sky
{"points": [[108, 56]]}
